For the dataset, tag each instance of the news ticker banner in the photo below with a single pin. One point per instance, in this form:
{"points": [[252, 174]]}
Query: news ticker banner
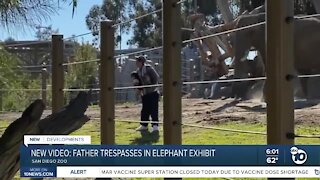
{"points": [[169, 155], [172, 172], [169, 161]]}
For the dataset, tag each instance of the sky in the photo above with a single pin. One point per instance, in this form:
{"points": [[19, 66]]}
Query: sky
{"points": [[66, 24], [63, 21]]}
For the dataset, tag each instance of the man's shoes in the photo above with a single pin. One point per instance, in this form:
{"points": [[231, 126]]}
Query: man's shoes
{"points": [[142, 128], [155, 128]]}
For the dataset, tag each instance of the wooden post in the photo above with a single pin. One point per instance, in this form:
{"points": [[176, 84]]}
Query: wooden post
{"points": [[107, 80], [280, 59], [279, 68], [172, 72], [44, 85], [57, 73]]}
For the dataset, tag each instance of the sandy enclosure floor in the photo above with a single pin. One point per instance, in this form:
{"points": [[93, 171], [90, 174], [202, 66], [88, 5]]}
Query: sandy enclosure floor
{"points": [[202, 111]]}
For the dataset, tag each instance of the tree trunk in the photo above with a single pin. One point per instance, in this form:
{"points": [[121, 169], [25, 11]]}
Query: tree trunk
{"points": [[260, 9], [64, 122], [227, 16], [224, 7]]}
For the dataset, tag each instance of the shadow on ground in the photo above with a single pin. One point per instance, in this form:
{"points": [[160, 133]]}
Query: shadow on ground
{"points": [[146, 138], [298, 104], [257, 108], [225, 106]]}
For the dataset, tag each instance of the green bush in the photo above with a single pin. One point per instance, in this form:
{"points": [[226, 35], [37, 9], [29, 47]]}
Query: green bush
{"points": [[13, 81]]}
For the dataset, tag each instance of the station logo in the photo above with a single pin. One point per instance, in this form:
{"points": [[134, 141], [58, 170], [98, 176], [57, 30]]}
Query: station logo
{"points": [[298, 156]]}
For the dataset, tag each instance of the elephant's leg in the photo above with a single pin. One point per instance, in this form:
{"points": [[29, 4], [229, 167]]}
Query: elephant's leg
{"points": [[264, 92], [304, 86], [234, 90], [245, 87], [256, 90], [238, 90], [303, 82], [238, 87]]}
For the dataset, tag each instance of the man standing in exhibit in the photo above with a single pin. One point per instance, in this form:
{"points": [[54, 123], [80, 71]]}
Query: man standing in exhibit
{"points": [[149, 95]]}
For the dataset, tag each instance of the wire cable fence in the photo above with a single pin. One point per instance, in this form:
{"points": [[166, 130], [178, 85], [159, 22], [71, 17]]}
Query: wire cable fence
{"points": [[193, 82], [191, 40], [122, 23], [26, 67], [215, 128], [79, 35], [159, 85], [35, 90], [13, 45], [138, 17], [190, 125], [160, 47], [81, 62], [215, 34]]}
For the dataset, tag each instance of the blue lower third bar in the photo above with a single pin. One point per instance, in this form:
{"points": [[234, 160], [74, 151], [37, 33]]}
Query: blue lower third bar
{"points": [[38, 172]]}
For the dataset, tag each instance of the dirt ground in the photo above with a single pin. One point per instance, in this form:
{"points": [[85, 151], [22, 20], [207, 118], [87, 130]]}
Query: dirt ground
{"points": [[202, 111]]}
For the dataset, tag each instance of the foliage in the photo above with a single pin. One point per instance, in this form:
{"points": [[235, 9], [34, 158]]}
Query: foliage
{"points": [[29, 12], [112, 10], [300, 6], [208, 8], [7, 75], [304, 7], [14, 78], [44, 33], [82, 75], [147, 31], [9, 40], [247, 5]]}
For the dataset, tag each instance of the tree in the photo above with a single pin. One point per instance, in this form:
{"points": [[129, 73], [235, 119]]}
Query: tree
{"points": [[82, 75], [208, 8], [239, 6], [44, 33], [9, 40], [110, 9], [147, 31], [304, 7], [300, 6], [29, 12], [12, 77]]}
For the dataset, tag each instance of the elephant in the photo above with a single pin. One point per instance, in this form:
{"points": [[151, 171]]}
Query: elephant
{"points": [[249, 69], [306, 42]]}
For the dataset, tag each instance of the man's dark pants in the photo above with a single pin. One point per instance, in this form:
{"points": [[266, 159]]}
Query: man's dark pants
{"points": [[150, 107]]}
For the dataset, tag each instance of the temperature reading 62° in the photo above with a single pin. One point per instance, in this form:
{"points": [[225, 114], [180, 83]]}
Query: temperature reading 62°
{"points": [[272, 160]]}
